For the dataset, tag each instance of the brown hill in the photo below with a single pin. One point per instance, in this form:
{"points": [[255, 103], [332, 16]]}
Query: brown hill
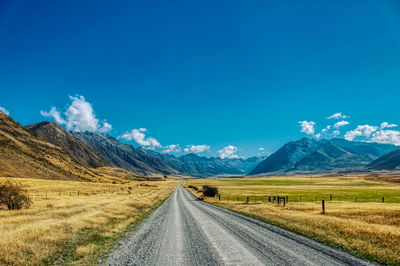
{"points": [[24, 155], [77, 149]]}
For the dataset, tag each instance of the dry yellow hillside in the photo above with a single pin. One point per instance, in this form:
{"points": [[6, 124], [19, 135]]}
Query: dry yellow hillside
{"points": [[24, 155]]}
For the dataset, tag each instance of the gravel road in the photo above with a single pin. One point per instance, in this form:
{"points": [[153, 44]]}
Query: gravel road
{"points": [[187, 231]]}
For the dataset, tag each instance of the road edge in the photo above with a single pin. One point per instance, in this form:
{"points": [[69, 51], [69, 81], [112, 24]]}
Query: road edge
{"points": [[116, 243], [340, 248]]}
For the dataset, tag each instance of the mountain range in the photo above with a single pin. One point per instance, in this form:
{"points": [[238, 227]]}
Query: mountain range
{"points": [[123, 155], [146, 162], [322, 156], [195, 165], [47, 150], [77, 149]]}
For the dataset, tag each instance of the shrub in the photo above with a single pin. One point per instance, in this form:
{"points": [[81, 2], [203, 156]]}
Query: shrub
{"points": [[13, 195], [209, 191], [194, 187]]}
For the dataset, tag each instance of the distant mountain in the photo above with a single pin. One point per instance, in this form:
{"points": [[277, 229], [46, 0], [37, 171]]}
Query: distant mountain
{"points": [[123, 155], [313, 156], [390, 161], [244, 165], [287, 156], [24, 155], [330, 157], [369, 149], [195, 165], [77, 149]]}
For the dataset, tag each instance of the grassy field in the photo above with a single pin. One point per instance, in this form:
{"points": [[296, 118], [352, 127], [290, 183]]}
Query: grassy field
{"points": [[74, 222], [368, 227]]}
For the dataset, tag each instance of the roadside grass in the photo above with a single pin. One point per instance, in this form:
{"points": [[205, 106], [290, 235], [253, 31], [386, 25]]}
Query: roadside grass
{"points": [[369, 229], [64, 228], [313, 188]]}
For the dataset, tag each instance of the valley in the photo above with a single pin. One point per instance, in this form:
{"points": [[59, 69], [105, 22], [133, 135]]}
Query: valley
{"points": [[89, 190], [195, 133]]}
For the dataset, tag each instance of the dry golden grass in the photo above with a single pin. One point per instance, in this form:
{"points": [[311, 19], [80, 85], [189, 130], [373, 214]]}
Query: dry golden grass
{"points": [[369, 229], [67, 228]]}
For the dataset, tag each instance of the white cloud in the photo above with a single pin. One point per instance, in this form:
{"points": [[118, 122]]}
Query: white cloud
{"points": [[55, 114], [341, 124], [307, 127], [387, 137], [387, 125], [4, 110], [79, 116], [337, 116], [326, 129], [196, 148], [105, 128], [361, 131], [376, 134], [335, 133], [172, 148], [261, 151], [140, 138], [228, 152]]}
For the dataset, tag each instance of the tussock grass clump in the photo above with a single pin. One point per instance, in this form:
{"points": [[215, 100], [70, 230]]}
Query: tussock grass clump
{"points": [[209, 191], [13, 195]]}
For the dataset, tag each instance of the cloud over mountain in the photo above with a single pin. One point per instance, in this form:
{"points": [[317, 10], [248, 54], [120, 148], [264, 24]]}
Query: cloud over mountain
{"points": [[139, 136], [172, 148], [228, 152], [196, 148], [78, 116], [4, 110], [307, 127], [341, 124], [361, 131]]}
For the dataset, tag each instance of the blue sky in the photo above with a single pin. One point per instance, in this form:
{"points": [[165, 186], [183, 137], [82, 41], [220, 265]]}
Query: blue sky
{"points": [[215, 73]]}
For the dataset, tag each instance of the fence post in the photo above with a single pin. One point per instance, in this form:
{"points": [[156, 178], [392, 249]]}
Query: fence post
{"points": [[383, 199], [279, 200], [284, 201], [248, 198], [323, 206], [331, 197], [219, 197], [269, 199]]}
